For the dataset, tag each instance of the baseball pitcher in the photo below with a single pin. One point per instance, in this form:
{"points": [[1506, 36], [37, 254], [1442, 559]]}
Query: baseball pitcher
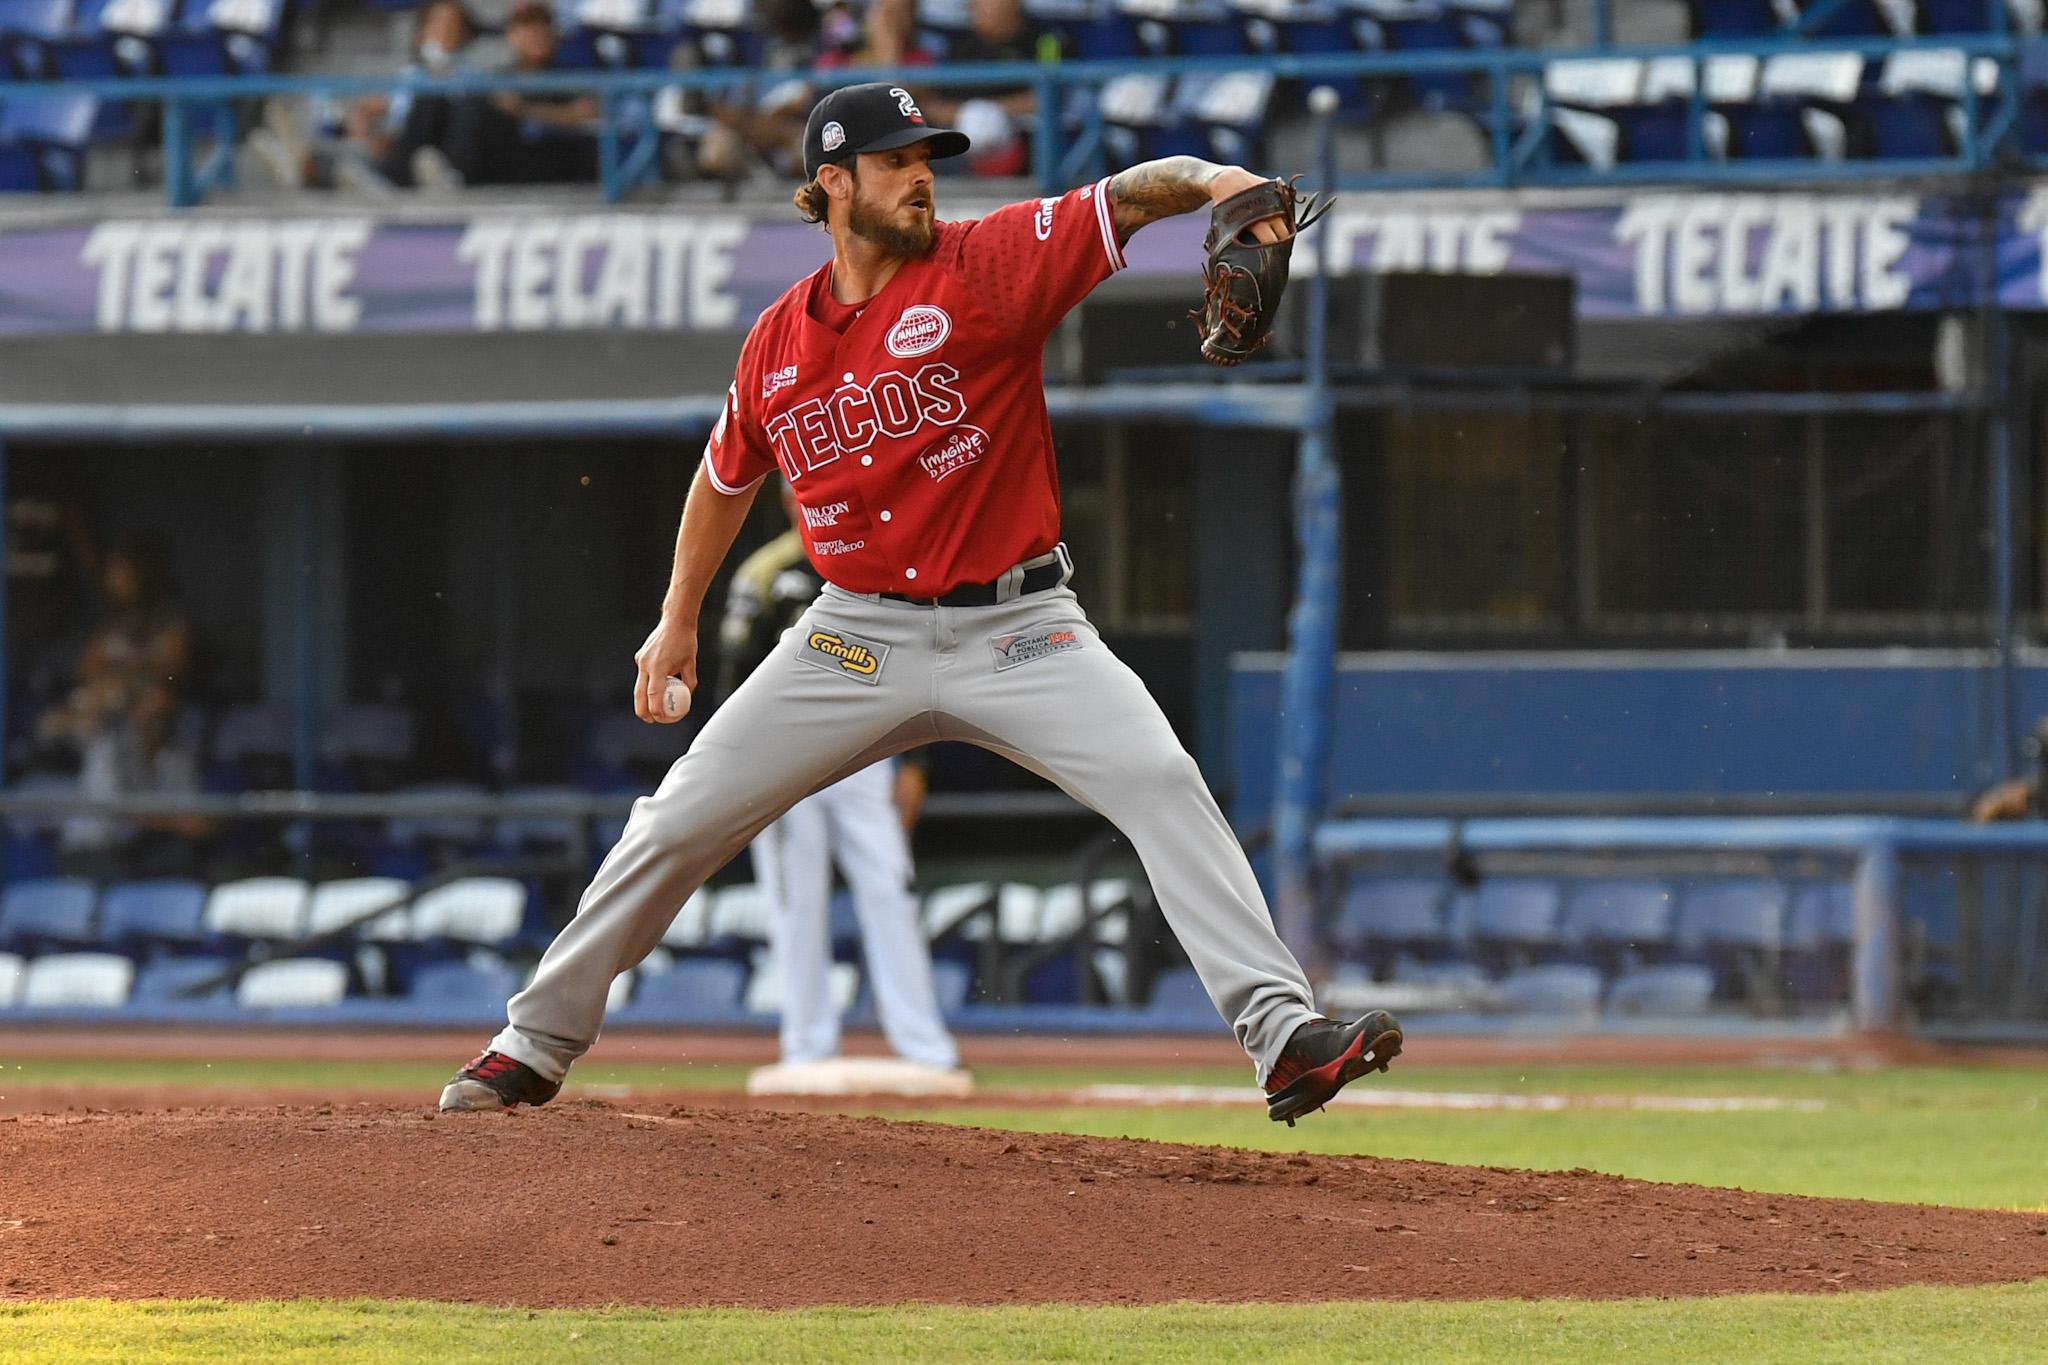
{"points": [[900, 390]]}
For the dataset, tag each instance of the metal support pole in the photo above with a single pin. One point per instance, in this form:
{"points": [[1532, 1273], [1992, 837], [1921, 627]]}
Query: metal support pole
{"points": [[306, 629], [178, 186], [1996, 359], [1875, 1004], [3, 612], [610, 182], [1045, 138], [1309, 682], [1603, 23]]}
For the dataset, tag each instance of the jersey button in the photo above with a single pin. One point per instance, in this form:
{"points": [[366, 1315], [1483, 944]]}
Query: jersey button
{"points": [[886, 514], [867, 459], [910, 573], [848, 378]]}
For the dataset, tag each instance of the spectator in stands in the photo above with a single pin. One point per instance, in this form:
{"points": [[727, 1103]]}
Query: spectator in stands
{"points": [[372, 142], [514, 139], [767, 129], [994, 118], [2019, 798], [121, 717], [888, 36]]}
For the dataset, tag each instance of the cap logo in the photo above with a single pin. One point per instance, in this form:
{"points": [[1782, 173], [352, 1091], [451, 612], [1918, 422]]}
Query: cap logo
{"points": [[905, 105], [834, 136], [921, 330]]}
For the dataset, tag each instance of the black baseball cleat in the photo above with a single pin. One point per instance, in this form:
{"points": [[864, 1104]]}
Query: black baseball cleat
{"points": [[1323, 1056], [495, 1081]]}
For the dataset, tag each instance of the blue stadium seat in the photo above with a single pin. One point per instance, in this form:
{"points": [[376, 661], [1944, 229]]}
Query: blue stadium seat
{"points": [[49, 134], [1431, 26], [1677, 990], [111, 38], [139, 914], [1820, 942], [27, 28], [1631, 915], [464, 986], [1917, 108], [722, 32], [1230, 107], [1178, 997], [1734, 914], [1735, 18], [1849, 19], [621, 34], [1515, 915], [1558, 989], [1802, 98], [48, 912], [695, 990], [171, 980], [1959, 16], [222, 38], [951, 981], [1311, 27], [1382, 914]]}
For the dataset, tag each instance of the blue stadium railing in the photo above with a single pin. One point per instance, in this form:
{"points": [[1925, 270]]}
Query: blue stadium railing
{"points": [[1513, 109]]}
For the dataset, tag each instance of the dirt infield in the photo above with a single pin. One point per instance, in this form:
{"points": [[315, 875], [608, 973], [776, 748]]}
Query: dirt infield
{"points": [[591, 1203]]}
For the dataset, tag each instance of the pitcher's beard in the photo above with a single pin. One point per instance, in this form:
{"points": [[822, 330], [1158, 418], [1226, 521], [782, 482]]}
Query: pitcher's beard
{"points": [[885, 232]]}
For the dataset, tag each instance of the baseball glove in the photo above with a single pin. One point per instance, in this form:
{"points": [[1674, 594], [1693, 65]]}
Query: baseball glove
{"points": [[1244, 277]]}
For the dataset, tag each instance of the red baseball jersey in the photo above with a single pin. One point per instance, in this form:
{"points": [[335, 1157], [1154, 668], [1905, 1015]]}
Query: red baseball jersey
{"points": [[917, 439]]}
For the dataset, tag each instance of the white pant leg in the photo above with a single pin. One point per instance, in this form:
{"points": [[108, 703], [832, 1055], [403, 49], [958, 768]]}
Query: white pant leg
{"points": [[793, 863], [872, 850]]}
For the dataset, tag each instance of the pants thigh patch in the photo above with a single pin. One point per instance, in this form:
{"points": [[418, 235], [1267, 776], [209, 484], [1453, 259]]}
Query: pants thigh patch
{"points": [[844, 653], [1015, 648]]}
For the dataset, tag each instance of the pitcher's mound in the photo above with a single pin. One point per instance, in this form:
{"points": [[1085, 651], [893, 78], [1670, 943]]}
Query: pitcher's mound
{"points": [[847, 1077], [589, 1203]]}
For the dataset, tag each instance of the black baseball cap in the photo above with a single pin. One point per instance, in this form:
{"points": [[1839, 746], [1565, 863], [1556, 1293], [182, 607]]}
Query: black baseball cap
{"points": [[870, 118]]}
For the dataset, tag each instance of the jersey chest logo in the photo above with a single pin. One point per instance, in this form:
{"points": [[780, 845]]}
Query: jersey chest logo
{"points": [[921, 330]]}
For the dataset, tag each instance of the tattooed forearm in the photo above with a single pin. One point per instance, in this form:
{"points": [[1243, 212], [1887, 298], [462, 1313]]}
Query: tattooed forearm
{"points": [[1159, 189]]}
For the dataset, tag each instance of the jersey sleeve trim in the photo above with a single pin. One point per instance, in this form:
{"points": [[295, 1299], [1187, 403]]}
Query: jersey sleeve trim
{"points": [[721, 485], [1107, 223]]}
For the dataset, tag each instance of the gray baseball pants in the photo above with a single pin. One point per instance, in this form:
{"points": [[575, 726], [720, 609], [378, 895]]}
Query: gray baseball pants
{"points": [[860, 678]]}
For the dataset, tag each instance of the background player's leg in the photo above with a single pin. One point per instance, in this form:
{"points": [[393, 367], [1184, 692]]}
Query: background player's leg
{"points": [[872, 850], [1033, 681], [796, 724], [793, 863]]}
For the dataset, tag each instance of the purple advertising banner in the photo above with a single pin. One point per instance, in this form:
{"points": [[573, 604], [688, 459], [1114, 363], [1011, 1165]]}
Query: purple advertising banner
{"points": [[1649, 255]]}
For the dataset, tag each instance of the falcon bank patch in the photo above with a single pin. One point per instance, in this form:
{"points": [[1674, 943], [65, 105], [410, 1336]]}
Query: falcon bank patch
{"points": [[835, 651], [1035, 643]]}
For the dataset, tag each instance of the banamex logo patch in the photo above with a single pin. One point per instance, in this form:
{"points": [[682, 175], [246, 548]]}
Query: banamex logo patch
{"points": [[921, 330]]}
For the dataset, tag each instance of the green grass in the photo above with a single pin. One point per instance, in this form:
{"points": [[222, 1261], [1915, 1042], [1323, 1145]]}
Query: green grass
{"points": [[1998, 1324]]}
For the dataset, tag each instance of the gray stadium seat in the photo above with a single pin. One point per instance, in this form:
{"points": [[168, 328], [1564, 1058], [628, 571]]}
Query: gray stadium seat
{"points": [[269, 908], [1745, 914], [13, 972], [293, 983], [78, 981], [338, 903], [1558, 989], [1679, 990], [691, 925], [486, 911]]}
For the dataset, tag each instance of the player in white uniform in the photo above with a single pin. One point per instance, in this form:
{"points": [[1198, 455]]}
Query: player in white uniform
{"points": [[860, 823]]}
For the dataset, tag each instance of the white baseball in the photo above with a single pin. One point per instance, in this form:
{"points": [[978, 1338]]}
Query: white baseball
{"points": [[1322, 101], [675, 698]]}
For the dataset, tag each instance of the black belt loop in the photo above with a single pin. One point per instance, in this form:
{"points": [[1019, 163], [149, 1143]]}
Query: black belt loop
{"points": [[1041, 578]]}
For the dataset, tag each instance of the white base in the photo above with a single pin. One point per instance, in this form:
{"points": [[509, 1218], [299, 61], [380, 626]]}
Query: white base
{"points": [[843, 1076]]}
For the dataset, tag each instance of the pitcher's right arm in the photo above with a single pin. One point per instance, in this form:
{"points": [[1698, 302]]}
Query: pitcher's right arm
{"points": [[711, 522]]}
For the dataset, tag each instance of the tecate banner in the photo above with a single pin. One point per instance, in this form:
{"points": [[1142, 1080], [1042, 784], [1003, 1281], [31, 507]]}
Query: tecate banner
{"points": [[1649, 255]]}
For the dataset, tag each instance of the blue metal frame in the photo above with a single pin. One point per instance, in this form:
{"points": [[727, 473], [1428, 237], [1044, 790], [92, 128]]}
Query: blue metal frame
{"points": [[628, 142]]}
